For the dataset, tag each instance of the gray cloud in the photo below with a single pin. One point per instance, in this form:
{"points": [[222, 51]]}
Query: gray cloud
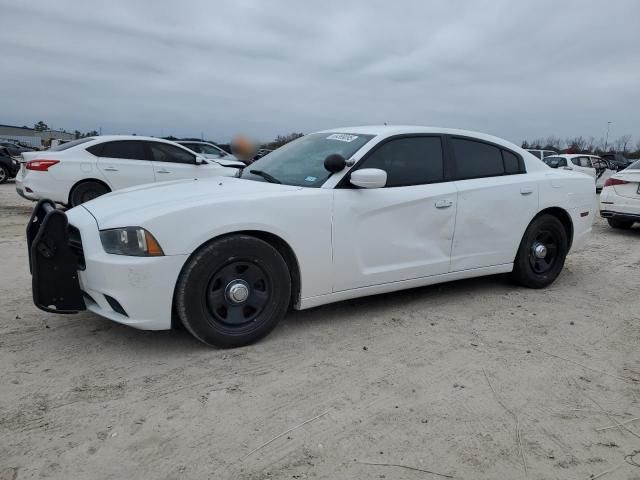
{"points": [[514, 69]]}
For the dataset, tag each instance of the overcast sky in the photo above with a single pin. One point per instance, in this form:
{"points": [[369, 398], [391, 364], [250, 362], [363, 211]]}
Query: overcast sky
{"points": [[516, 69]]}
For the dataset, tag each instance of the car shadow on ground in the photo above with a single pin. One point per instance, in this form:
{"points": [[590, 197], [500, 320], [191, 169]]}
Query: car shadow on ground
{"points": [[179, 341]]}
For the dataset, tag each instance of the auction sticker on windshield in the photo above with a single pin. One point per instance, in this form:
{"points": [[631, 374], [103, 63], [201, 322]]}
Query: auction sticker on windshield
{"points": [[342, 137]]}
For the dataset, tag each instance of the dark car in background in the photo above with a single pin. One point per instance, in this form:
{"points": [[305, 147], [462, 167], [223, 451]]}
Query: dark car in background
{"points": [[9, 166], [14, 149], [617, 160]]}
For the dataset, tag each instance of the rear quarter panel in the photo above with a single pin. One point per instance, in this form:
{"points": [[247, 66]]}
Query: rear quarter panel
{"points": [[573, 192]]}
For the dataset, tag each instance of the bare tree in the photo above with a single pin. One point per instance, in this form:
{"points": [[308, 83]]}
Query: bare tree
{"points": [[591, 144]]}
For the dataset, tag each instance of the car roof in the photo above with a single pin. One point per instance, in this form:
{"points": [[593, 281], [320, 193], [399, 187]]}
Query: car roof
{"points": [[194, 141], [106, 138], [389, 130], [574, 155]]}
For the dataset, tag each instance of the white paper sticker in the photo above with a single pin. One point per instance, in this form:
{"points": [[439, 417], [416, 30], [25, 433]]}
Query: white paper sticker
{"points": [[311, 179], [342, 137]]}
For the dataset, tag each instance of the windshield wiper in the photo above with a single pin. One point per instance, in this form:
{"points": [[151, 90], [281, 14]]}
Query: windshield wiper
{"points": [[266, 176]]}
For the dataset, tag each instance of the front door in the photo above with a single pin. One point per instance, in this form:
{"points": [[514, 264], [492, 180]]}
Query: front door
{"points": [[402, 231], [496, 201]]}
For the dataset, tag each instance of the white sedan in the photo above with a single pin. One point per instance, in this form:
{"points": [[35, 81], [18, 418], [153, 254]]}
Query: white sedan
{"points": [[592, 165], [79, 171], [331, 216], [620, 197]]}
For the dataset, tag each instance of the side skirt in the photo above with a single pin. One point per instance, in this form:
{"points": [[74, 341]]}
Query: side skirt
{"points": [[401, 285]]}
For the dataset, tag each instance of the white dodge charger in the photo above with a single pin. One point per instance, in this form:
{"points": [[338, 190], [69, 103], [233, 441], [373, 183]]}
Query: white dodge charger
{"points": [[331, 216]]}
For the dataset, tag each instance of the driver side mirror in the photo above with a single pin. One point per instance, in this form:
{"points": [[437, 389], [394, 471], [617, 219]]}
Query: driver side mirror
{"points": [[553, 163], [369, 178], [200, 160]]}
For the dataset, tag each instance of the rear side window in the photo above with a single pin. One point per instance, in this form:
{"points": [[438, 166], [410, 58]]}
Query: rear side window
{"points": [[476, 159], [511, 162], [409, 161], [537, 153], [68, 145], [129, 149], [163, 152]]}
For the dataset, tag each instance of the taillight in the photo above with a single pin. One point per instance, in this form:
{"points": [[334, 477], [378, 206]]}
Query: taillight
{"points": [[40, 165], [610, 182]]}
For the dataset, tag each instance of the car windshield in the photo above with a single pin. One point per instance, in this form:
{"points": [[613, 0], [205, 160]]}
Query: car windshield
{"points": [[634, 166], [301, 162], [68, 145], [205, 148]]}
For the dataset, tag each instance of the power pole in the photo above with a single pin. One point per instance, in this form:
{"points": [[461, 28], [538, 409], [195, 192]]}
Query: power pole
{"points": [[606, 142]]}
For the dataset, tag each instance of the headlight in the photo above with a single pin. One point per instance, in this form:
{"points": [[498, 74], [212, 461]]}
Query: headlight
{"points": [[134, 241]]}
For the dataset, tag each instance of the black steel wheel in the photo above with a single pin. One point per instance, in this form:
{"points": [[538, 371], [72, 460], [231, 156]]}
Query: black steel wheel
{"points": [[233, 291], [541, 253]]}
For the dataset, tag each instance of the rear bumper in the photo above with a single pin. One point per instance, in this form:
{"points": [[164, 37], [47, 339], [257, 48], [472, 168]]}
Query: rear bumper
{"points": [[627, 217]]}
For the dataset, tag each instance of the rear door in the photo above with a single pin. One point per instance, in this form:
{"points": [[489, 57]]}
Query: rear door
{"points": [[124, 163], [496, 202]]}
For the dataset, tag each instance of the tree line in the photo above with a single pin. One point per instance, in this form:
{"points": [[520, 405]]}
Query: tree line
{"points": [[622, 144]]}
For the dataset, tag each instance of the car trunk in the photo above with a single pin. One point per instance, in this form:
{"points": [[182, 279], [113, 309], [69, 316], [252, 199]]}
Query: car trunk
{"points": [[628, 189]]}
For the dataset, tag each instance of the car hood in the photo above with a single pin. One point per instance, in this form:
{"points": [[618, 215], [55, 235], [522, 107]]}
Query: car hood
{"points": [[134, 206]]}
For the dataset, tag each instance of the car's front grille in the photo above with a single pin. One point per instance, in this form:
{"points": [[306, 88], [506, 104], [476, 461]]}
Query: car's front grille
{"points": [[75, 243]]}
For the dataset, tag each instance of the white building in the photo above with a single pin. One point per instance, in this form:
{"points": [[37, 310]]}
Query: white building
{"points": [[31, 137]]}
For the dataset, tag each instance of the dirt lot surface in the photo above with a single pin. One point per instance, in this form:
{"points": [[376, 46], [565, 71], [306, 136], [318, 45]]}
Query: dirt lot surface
{"points": [[476, 379]]}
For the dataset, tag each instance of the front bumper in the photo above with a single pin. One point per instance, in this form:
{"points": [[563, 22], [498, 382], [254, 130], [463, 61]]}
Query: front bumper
{"points": [[135, 291]]}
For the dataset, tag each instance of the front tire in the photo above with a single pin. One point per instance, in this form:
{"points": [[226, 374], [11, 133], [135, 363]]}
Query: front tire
{"points": [[85, 191], [233, 291], [542, 252], [621, 224]]}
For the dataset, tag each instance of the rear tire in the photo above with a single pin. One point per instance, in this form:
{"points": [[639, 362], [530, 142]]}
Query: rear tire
{"points": [[542, 252], [621, 224], [233, 291], [4, 174], [85, 191]]}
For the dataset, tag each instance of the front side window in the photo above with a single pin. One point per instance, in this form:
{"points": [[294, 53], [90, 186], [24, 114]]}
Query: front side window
{"points": [[301, 162], [585, 162], [163, 152], [129, 149], [205, 149], [548, 153], [576, 161], [409, 161], [537, 153]]}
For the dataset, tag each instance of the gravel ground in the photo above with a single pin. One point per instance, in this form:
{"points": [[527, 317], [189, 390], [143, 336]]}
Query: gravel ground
{"points": [[475, 379]]}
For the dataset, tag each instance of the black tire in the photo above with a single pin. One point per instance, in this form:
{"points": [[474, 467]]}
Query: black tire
{"points": [[85, 191], [204, 292], [4, 174], [617, 223], [532, 270]]}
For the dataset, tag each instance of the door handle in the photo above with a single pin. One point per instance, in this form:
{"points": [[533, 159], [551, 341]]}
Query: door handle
{"points": [[110, 169], [163, 171], [526, 191], [443, 203]]}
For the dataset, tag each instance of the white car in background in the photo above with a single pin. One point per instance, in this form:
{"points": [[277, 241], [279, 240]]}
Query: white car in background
{"points": [[81, 170], [212, 152], [541, 154], [620, 197], [330, 216], [592, 165]]}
